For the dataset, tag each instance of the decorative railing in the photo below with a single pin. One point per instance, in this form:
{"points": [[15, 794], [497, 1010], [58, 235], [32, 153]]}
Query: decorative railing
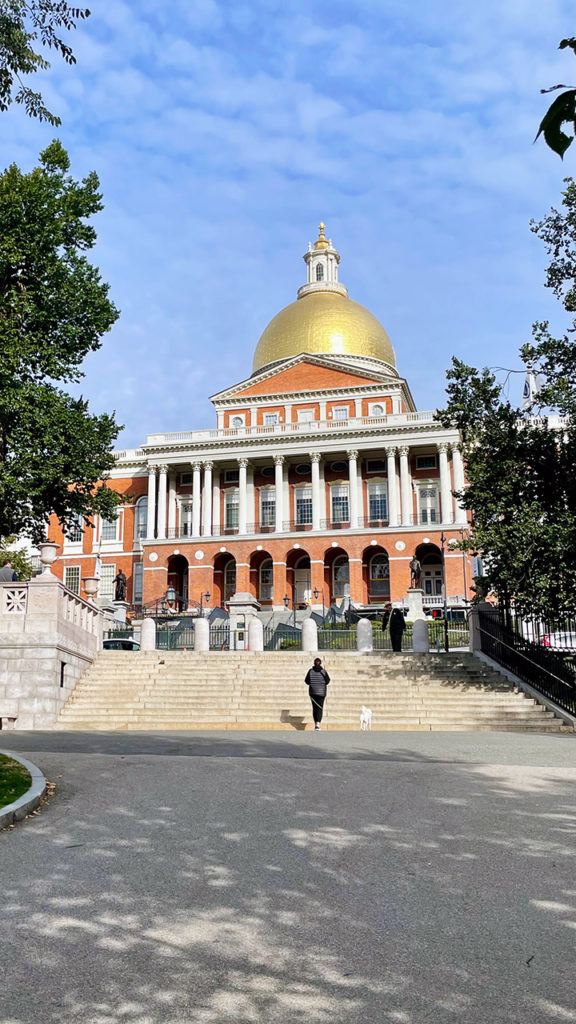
{"points": [[79, 612], [14, 598]]}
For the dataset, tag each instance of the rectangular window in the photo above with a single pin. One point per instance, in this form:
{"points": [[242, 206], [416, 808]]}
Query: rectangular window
{"points": [[270, 419], [138, 583], [231, 476], [303, 506], [340, 412], [340, 510], [232, 510], [107, 574], [72, 578], [428, 504], [109, 530], [74, 531], [375, 466], [426, 462], [185, 479], [378, 502], [267, 508], [305, 415]]}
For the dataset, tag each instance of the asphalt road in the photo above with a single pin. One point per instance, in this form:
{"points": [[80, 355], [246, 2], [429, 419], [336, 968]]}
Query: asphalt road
{"points": [[214, 878]]}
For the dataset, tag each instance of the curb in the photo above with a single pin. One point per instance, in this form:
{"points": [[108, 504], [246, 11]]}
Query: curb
{"points": [[29, 800]]}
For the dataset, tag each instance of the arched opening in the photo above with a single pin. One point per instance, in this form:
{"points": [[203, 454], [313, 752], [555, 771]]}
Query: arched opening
{"points": [[430, 558], [376, 574], [262, 576], [178, 580], [319, 272], [140, 518], [337, 573], [224, 578], [298, 578]]}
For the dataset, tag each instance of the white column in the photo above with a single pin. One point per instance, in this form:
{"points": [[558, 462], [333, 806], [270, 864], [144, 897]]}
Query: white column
{"points": [[196, 499], [172, 505], [278, 494], [405, 486], [353, 488], [445, 489], [287, 510], [315, 460], [253, 416], [361, 512], [358, 407], [287, 414], [459, 484], [322, 502], [162, 489], [216, 523], [322, 410], [392, 489], [242, 495], [220, 420], [207, 500], [151, 515], [250, 501]]}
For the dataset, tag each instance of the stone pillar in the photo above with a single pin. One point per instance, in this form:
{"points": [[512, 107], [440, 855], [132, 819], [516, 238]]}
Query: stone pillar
{"points": [[358, 407], [309, 636], [242, 495], [420, 637], [201, 635], [364, 638], [315, 460], [216, 504], [207, 500], [172, 505], [405, 487], [355, 574], [278, 494], [415, 604], [151, 514], [255, 635], [458, 466], [148, 635], [353, 487], [392, 489], [279, 585], [196, 470], [162, 495], [445, 489]]}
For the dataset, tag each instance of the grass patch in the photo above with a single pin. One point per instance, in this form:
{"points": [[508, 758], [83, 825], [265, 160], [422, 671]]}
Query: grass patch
{"points": [[14, 780]]}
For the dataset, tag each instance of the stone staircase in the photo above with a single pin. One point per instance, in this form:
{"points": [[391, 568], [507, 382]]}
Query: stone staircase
{"points": [[229, 690]]}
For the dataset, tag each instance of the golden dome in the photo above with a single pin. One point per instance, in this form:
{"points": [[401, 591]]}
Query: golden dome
{"points": [[321, 323]]}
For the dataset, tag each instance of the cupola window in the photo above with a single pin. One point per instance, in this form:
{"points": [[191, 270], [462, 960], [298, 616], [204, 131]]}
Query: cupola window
{"points": [[319, 272]]}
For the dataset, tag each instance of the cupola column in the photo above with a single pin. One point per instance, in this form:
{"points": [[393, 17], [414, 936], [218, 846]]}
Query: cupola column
{"points": [[196, 471], [151, 514], [445, 489], [242, 495], [392, 487], [278, 493], [315, 461]]}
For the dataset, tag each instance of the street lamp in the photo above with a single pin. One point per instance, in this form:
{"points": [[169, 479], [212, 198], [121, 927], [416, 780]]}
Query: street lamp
{"points": [[286, 600], [444, 594], [204, 597], [315, 594]]}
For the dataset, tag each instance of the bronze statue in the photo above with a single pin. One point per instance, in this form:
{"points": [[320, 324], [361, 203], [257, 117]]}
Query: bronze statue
{"points": [[120, 586], [415, 574]]}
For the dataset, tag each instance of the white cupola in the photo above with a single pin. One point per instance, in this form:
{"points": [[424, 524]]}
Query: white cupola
{"points": [[322, 261]]}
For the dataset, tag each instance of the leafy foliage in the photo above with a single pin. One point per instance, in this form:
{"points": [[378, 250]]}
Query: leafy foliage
{"points": [[24, 24], [561, 112], [54, 309], [18, 558]]}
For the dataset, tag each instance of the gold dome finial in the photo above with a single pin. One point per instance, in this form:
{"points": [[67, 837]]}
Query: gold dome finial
{"points": [[321, 242]]}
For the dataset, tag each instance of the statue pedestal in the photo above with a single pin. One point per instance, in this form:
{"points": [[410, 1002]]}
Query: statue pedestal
{"points": [[242, 609], [120, 609], [415, 604]]}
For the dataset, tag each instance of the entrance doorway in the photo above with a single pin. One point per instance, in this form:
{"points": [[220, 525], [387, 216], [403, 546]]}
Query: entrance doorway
{"points": [[302, 582], [178, 579]]}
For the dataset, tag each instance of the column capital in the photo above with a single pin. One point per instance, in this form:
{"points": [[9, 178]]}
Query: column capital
{"points": [[442, 446], [352, 453], [278, 460], [315, 456], [404, 450], [243, 463], [455, 446], [197, 465], [390, 450], [152, 467], [162, 467], [208, 464]]}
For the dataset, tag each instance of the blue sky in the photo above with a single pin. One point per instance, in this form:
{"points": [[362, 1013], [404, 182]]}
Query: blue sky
{"points": [[223, 132]]}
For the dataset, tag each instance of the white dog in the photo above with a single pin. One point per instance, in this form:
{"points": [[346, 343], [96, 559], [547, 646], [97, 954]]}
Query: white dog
{"points": [[365, 718]]}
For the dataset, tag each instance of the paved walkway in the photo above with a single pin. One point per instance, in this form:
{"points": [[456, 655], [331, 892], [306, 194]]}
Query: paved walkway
{"points": [[208, 879]]}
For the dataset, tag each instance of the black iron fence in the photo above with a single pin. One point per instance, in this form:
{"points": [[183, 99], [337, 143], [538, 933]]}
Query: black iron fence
{"points": [[220, 638], [174, 636], [336, 639], [542, 654]]}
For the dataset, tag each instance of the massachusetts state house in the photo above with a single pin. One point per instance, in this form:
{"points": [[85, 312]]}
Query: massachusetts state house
{"points": [[319, 480]]}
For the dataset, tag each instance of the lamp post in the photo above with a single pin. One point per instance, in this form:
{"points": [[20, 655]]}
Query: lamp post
{"points": [[315, 595], [204, 597], [286, 600], [444, 594]]}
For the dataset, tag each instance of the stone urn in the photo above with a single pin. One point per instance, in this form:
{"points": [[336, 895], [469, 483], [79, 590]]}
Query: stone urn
{"points": [[48, 553], [91, 586]]}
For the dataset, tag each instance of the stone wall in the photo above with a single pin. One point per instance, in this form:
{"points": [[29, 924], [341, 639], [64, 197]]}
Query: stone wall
{"points": [[48, 638]]}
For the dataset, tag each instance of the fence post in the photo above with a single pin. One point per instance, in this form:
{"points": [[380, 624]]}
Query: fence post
{"points": [[420, 637], [475, 634], [364, 637], [309, 636], [201, 635], [148, 635], [255, 635]]}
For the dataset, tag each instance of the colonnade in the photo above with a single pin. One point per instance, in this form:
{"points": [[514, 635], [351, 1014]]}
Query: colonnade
{"points": [[203, 512]]}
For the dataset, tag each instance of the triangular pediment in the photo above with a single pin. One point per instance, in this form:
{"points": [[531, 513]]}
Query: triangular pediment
{"points": [[307, 373]]}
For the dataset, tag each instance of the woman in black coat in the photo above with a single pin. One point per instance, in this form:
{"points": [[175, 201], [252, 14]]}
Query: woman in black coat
{"points": [[394, 619], [317, 679]]}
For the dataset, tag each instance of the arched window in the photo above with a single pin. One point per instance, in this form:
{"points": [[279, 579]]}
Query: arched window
{"points": [[229, 579], [266, 586], [340, 576], [377, 410], [140, 518], [379, 579], [319, 272]]}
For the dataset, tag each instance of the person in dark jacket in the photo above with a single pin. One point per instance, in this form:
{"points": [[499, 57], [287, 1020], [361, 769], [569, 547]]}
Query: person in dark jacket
{"points": [[394, 619], [317, 679]]}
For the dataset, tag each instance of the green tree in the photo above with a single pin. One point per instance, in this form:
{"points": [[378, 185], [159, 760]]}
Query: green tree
{"points": [[561, 113], [18, 558], [23, 25], [54, 309]]}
